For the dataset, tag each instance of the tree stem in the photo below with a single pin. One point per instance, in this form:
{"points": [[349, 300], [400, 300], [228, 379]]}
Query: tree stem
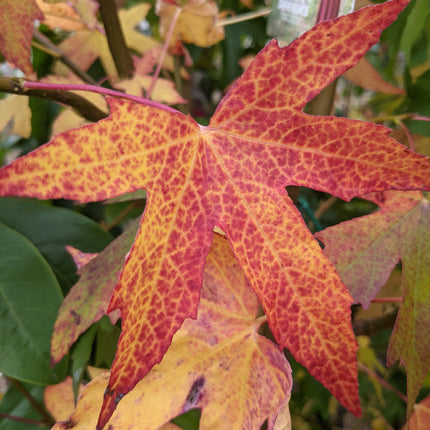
{"points": [[163, 52], [57, 53], [24, 420], [243, 17], [383, 382], [80, 104], [387, 300], [94, 89], [115, 37]]}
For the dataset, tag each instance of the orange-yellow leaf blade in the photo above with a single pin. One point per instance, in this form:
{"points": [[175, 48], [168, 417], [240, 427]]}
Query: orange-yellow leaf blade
{"points": [[307, 306], [129, 150], [218, 363]]}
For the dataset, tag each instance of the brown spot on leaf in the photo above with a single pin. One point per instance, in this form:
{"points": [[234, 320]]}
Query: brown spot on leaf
{"points": [[194, 393], [76, 317]]}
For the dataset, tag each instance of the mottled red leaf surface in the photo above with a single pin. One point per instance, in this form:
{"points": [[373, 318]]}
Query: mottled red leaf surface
{"points": [[80, 258], [89, 298], [16, 21], [233, 174], [366, 249], [218, 363]]}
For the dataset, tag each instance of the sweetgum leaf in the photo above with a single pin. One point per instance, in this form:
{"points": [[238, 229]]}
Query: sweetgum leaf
{"points": [[214, 362], [233, 174], [421, 416], [365, 250], [196, 22], [16, 108], [89, 298], [16, 20]]}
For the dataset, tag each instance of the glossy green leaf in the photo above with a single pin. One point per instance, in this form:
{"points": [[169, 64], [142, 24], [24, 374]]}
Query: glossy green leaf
{"points": [[51, 229], [13, 403], [29, 300]]}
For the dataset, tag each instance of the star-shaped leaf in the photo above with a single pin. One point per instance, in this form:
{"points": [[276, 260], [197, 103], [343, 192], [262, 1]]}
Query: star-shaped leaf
{"points": [[365, 251], [214, 362], [233, 174]]}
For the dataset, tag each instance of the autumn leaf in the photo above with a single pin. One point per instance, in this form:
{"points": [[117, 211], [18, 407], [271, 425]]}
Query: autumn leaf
{"points": [[195, 24], [366, 251], [74, 15], [233, 174], [84, 47], [68, 118], [60, 400], [421, 416], [230, 364], [80, 258], [366, 76], [89, 298], [61, 15], [16, 108], [164, 90], [16, 19]]}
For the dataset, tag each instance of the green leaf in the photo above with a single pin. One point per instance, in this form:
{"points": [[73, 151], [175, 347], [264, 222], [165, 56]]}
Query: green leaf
{"points": [[51, 229], [414, 26], [15, 404], [29, 300], [80, 356]]}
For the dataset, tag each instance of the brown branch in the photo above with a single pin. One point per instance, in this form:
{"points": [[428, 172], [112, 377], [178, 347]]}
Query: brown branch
{"points": [[82, 106], [115, 37], [23, 420], [381, 381], [325, 206], [57, 53]]}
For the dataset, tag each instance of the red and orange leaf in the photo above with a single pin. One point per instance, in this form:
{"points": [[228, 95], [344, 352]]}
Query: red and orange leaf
{"points": [[89, 298], [365, 251], [214, 362], [366, 76], [421, 417], [233, 174], [16, 20], [80, 258]]}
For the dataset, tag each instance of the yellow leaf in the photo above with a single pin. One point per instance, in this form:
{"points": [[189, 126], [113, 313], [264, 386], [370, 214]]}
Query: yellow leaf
{"points": [[164, 90], [61, 15], [16, 108], [196, 23], [218, 363], [68, 118], [60, 400]]}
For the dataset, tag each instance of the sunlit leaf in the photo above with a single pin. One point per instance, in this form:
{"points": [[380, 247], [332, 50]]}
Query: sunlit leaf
{"points": [[214, 362]]}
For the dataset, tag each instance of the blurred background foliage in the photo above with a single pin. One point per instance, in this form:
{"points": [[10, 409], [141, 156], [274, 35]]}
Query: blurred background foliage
{"points": [[402, 58]]}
